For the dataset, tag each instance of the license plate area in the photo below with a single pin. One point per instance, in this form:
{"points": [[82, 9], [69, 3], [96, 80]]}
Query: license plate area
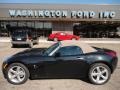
{"points": [[19, 39]]}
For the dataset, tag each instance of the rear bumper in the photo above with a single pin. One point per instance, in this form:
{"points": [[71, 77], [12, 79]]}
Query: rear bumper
{"points": [[21, 42], [114, 63]]}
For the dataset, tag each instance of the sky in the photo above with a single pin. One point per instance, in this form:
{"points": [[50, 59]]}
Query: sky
{"points": [[64, 1]]}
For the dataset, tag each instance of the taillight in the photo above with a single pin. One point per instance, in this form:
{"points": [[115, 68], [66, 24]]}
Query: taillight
{"points": [[111, 53]]}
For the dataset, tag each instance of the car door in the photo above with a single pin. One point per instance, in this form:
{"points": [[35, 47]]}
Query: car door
{"points": [[70, 62], [62, 36]]}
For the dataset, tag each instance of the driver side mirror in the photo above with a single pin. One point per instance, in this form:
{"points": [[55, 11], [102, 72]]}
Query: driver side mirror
{"points": [[57, 54]]}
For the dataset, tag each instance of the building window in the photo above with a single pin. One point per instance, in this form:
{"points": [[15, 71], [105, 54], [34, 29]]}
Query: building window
{"points": [[13, 23], [39, 25], [97, 30], [4, 32], [47, 25], [22, 24], [30, 24]]}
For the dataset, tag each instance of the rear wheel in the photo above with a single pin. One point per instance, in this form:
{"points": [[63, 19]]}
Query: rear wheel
{"points": [[55, 39], [17, 74], [99, 73], [13, 45]]}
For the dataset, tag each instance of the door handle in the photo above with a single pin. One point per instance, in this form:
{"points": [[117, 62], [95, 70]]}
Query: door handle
{"points": [[80, 58]]}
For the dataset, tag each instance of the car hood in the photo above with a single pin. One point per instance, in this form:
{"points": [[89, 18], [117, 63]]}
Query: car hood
{"points": [[29, 52]]}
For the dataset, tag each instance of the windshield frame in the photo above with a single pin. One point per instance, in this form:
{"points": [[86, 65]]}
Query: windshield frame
{"points": [[52, 49]]}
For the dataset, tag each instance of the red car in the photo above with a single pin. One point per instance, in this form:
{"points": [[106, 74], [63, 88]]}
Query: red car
{"points": [[62, 36]]}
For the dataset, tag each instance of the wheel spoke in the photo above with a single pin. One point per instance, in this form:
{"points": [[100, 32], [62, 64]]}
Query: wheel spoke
{"points": [[94, 74], [21, 73], [13, 71], [18, 69], [103, 77], [98, 69], [13, 76], [104, 71], [98, 78], [18, 78]]}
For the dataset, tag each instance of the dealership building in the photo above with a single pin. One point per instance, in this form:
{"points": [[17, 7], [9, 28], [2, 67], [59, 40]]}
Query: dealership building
{"points": [[86, 21]]}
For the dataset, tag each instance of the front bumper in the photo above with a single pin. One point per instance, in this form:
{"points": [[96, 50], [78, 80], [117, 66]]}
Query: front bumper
{"points": [[4, 69]]}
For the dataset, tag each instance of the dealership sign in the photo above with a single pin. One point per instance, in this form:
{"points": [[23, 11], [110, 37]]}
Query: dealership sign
{"points": [[60, 13]]}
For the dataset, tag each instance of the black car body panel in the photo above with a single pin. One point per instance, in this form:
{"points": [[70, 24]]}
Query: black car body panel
{"points": [[41, 65]]}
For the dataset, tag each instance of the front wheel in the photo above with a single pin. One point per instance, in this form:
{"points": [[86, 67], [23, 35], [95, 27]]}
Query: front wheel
{"points": [[31, 45], [99, 74], [17, 74], [73, 38]]}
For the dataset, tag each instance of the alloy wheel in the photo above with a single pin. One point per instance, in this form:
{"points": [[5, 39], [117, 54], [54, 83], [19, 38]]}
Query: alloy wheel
{"points": [[100, 74], [16, 74]]}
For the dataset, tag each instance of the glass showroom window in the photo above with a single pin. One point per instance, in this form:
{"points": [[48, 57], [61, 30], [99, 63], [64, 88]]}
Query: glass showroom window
{"points": [[47, 25], [13, 24], [47, 29], [30, 24], [39, 25], [39, 29], [4, 32], [22, 24], [97, 30]]}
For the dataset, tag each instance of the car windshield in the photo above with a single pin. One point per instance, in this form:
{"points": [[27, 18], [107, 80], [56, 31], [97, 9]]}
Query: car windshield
{"points": [[20, 34], [51, 48]]}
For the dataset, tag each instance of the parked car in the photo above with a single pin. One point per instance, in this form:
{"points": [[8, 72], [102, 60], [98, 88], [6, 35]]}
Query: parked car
{"points": [[21, 37], [62, 36], [64, 59]]}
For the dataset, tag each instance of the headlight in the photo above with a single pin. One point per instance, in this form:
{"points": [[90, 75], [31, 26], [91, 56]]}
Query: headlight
{"points": [[4, 65], [5, 61]]}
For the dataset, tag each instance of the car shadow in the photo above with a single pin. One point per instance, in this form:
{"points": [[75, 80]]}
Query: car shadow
{"points": [[82, 79], [22, 46]]}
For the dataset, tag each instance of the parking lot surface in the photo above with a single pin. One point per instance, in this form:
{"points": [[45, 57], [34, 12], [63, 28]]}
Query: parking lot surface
{"points": [[58, 84]]}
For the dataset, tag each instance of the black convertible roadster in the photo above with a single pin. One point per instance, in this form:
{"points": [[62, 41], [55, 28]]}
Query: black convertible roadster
{"points": [[64, 59]]}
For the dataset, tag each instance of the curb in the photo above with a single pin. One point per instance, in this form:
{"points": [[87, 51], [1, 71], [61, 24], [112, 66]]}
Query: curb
{"points": [[45, 41]]}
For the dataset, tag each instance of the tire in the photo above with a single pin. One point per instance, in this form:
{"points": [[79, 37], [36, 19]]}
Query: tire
{"points": [[31, 45], [13, 81], [55, 39], [13, 45], [105, 71], [37, 42], [73, 38]]}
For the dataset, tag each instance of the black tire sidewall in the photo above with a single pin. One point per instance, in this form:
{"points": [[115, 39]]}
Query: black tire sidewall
{"points": [[95, 65], [26, 73], [31, 45], [13, 45]]}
